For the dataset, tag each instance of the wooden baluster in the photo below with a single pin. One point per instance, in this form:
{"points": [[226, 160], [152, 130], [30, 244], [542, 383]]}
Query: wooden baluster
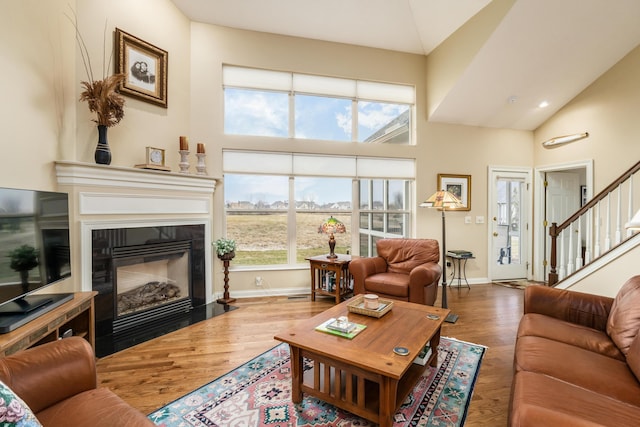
{"points": [[589, 238], [570, 266], [619, 216], [562, 271], [607, 237], [596, 236], [579, 245], [630, 210]]}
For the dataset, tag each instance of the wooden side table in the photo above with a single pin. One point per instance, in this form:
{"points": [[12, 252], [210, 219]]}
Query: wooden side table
{"points": [[330, 276]]}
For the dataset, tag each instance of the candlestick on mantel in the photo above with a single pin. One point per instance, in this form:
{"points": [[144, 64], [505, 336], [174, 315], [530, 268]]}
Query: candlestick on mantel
{"points": [[184, 161], [184, 143], [200, 148], [201, 168]]}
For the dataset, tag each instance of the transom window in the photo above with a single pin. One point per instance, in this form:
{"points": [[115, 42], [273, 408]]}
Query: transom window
{"points": [[282, 104]]}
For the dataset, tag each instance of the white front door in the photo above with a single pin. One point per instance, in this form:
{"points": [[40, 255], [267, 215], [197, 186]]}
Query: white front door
{"points": [[509, 231]]}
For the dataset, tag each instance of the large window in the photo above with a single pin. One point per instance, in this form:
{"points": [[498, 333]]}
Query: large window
{"points": [[276, 202], [383, 212], [281, 104]]}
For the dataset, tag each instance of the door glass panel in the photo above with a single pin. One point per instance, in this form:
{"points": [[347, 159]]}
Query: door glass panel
{"points": [[509, 221]]}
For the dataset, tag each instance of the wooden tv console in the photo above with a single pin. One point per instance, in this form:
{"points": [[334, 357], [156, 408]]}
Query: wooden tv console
{"points": [[76, 315]]}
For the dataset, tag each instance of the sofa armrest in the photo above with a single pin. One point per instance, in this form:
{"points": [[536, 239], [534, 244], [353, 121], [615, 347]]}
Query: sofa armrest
{"points": [[571, 306], [427, 274], [361, 268], [50, 373]]}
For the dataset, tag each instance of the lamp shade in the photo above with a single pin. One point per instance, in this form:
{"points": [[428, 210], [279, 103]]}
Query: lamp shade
{"points": [[442, 199], [332, 225], [634, 224]]}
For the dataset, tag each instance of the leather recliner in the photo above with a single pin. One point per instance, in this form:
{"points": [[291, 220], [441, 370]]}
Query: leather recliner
{"points": [[405, 269]]}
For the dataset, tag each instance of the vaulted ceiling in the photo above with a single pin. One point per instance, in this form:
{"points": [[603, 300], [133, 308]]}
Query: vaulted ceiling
{"points": [[539, 50]]}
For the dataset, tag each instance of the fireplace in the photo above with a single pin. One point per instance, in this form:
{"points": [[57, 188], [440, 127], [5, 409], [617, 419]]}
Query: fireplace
{"points": [[118, 210], [146, 274]]}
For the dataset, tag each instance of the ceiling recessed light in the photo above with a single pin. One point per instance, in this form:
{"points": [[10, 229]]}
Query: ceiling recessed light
{"points": [[543, 104]]}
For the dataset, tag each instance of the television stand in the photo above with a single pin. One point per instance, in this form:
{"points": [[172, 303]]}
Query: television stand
{"points": [[19, 312], [74, 317]]}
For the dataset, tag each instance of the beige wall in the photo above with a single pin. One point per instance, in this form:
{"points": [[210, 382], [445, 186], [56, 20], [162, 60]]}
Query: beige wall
{"points": [[43, 121], [37, 117], [608, 110], [161, 24], [440, 149]]}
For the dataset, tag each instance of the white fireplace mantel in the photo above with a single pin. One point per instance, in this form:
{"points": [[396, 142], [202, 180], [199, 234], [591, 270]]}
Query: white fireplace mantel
{"points": [[88, 174], [121, 197]]}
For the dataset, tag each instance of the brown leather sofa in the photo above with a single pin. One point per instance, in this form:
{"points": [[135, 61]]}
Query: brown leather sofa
{"points": [[577, 359], [405, 269], [58, 382]]}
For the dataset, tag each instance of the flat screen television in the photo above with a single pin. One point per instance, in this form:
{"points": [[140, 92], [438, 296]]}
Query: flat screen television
{"points": [[34, 253]]}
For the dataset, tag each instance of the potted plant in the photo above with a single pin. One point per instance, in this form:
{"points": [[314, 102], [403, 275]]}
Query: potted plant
{"points": [[23, 259], [225, 248]]}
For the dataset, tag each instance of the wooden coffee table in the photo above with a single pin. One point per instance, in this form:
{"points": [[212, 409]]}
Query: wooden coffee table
{"points": [[363, 375]]}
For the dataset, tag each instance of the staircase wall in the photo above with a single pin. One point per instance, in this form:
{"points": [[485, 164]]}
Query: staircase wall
{"points": [[608, 277]]}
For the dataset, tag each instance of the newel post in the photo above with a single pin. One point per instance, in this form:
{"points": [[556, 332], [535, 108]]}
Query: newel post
{"points": [[553, 275]]}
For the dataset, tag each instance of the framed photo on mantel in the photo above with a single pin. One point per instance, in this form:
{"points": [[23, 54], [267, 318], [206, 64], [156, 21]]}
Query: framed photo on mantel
{"points": [[459, 186], [145, 68]]}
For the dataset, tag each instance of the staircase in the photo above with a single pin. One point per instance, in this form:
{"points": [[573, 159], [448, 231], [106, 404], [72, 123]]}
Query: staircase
{"points": [[595, 234]]}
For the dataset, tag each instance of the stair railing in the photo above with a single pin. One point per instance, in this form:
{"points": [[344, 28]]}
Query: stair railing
{"points": [[596, 228]]}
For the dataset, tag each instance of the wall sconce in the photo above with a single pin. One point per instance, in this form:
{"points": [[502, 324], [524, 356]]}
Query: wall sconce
{"points": [[560, 140]]}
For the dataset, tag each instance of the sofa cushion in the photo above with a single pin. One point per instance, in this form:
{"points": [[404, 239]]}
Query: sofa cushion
{"points": [[539, 325], [539, 400], [101, 406], [13, 410], [624, 318], [403, 255], [583, 368]]}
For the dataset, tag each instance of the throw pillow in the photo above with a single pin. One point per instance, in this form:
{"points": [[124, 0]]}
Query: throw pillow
{"points": [[624, 318], [13, 411]]}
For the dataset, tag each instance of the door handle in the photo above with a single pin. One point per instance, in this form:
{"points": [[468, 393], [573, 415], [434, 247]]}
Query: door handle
{"points": [[495, 234]]}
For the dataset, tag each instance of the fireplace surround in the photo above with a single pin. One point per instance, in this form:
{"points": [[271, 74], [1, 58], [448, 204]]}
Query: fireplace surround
{"points": [[143, 274], [147, 231]]}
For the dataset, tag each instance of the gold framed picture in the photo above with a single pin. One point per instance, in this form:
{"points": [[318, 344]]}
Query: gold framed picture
{"points": [[145, 68], [459, 186]]}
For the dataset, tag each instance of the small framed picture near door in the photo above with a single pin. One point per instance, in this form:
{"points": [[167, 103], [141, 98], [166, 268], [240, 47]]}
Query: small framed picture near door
{"points": [[459, 186], [145, 68]]}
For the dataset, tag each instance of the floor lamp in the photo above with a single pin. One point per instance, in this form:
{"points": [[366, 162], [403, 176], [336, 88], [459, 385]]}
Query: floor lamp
{"points": [[444, 200]]}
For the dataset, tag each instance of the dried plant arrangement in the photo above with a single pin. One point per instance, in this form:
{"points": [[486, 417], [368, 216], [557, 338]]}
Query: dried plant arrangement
{"points": [[100, 95]]}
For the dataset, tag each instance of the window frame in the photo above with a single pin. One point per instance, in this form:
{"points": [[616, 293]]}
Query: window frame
{"points": [[358, 91]]}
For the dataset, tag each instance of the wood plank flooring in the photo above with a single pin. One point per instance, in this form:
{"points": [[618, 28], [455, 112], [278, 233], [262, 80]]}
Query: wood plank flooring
{"points": [[157, 372]]}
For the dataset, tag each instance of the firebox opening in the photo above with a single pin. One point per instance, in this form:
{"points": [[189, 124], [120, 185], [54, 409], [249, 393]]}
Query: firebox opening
{"points": [[151, 284]]}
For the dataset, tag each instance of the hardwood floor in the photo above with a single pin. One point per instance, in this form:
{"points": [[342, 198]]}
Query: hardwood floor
{"points": [[157, 372]]}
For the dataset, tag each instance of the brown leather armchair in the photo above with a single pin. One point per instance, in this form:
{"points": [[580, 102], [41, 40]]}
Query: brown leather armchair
{"points": [[58, 382], [405, 269]]}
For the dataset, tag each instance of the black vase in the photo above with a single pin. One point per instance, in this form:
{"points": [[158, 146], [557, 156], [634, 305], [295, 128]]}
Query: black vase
{"points": [[103, 154]]}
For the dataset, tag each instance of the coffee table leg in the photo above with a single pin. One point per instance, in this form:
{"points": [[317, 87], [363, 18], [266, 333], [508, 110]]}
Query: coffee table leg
{"points": [[297, 374], [388, 393]]}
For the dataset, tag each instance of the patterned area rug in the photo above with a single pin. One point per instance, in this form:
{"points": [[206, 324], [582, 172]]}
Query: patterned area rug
{"points": [[258, 393]]}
